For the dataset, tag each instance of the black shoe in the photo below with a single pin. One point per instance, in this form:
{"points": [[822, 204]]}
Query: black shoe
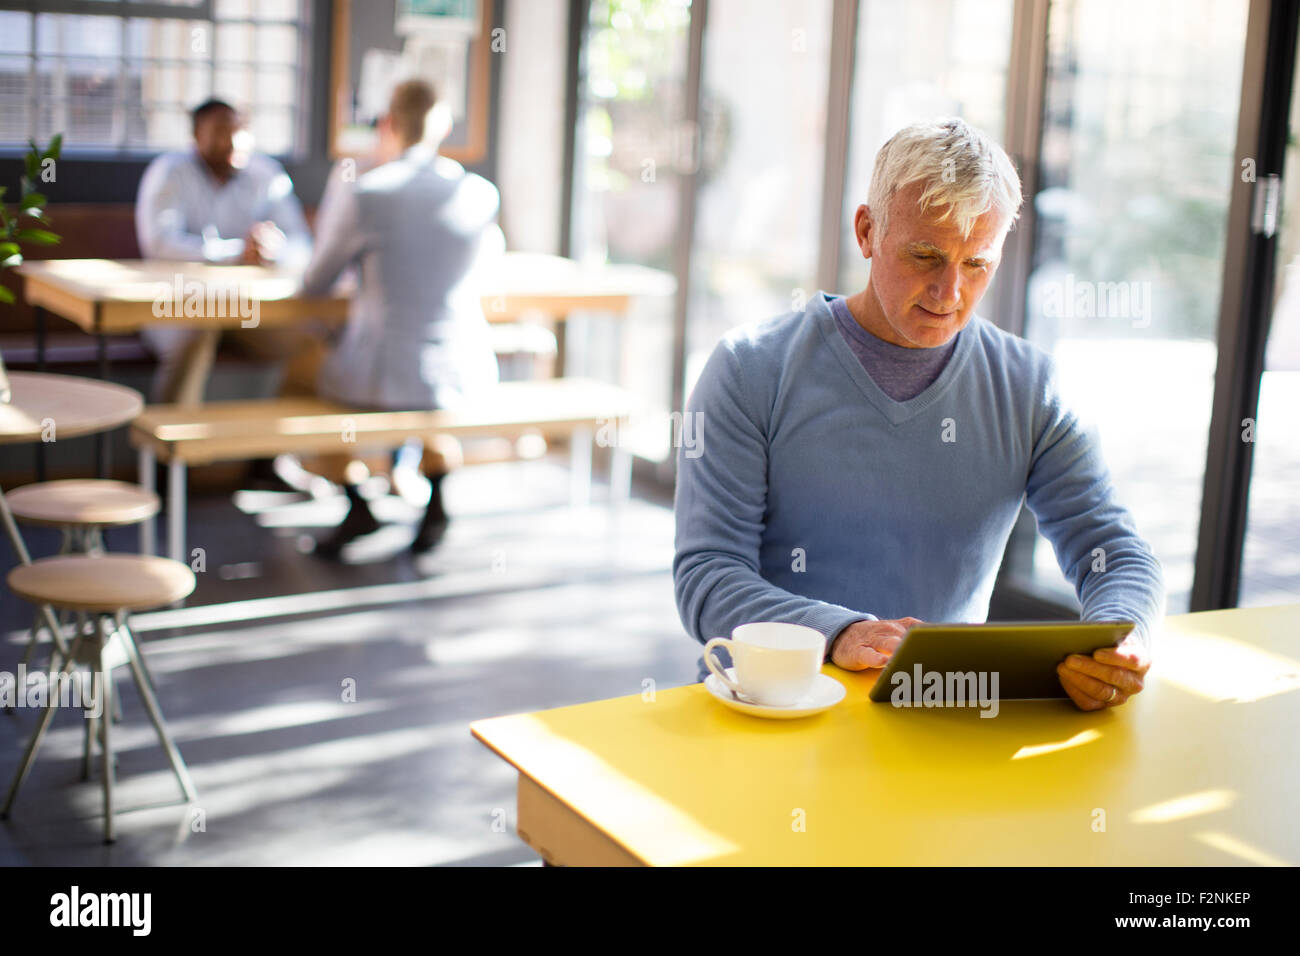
{"points": [[358, 521], [434, 523], [262, 476]]}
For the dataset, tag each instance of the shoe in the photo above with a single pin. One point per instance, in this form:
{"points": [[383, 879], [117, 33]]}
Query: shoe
{"points": [[359, 521], [433, 526], [262, 476]]}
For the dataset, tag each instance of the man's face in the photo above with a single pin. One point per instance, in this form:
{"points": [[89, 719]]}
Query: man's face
{"points": [[214, 136], [925, 278]]}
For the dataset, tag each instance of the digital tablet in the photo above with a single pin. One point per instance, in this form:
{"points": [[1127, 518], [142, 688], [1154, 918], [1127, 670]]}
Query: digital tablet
{"points": [[1011, 661]]}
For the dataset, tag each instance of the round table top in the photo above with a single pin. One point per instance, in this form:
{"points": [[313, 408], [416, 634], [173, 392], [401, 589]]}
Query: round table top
{"points": [[72, 404]]}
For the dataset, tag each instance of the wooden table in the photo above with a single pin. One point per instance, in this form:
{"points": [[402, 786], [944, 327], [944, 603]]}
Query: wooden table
{"points": [[1199, 769], [108, 297], [114, 297], [54, 407]]}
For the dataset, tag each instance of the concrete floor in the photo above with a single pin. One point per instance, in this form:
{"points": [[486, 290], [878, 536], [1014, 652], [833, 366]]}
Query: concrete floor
{"points": [[527, 604]]}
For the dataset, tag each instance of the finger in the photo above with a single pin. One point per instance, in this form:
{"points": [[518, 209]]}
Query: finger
{"points": [[1099, 691], [1131, 658], [1076, 694], [859, 657], [886, 645], [1130, 682], [1089, 694]]}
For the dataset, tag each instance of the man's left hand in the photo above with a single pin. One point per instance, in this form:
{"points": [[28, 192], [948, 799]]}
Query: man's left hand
{"points": [[1106, 679]]}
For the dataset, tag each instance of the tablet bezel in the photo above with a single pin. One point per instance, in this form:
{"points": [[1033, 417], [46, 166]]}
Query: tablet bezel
{"points": [[1024, 653]]}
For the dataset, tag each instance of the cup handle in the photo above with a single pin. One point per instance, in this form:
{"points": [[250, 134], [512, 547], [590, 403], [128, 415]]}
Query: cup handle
{"points": [[714, 665]]}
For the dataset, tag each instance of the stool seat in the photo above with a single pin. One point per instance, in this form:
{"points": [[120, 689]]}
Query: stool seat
{"points": [[102, 583], [82, 501]]}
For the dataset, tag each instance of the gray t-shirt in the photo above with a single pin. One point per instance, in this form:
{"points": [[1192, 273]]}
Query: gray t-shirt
{"points": [[901, 373]]}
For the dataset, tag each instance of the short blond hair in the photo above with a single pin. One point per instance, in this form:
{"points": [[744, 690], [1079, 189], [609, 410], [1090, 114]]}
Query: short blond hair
{"points": [[961, 169], [408, 108]]}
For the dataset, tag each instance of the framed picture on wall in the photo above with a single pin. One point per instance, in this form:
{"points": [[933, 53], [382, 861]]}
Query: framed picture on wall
{"points": [[379, 43]]}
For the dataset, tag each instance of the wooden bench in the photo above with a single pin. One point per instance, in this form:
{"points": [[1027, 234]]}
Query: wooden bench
{"points": [[183, 435]]}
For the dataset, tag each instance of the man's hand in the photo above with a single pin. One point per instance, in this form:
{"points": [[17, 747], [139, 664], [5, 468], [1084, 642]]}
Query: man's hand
{"points": [[262, 245], [1106, 679], [866, 644]]}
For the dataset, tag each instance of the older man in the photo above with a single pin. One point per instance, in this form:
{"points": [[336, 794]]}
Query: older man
{"points": [[215, 203], [864, 460]]}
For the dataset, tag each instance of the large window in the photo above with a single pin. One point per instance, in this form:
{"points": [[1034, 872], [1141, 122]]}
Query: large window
{"points": [[124, 80], [963, 72], [1139, 129], [1124, 118], [763, 113], [632, 145]]}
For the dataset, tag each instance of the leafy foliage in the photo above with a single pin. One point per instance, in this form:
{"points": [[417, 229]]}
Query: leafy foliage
{"points": [[31, 205]]}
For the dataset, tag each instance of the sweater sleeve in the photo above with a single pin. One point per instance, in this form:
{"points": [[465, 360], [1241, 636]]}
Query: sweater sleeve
{"points": [[340, 237], [1113, 570], [720, 502]]}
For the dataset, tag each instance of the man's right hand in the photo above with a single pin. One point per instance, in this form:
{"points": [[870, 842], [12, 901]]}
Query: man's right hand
{"points": [[865, 644], [262, 245]]}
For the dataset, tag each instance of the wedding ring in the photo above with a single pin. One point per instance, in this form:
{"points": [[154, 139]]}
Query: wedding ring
{"points": [[1113, 692]]}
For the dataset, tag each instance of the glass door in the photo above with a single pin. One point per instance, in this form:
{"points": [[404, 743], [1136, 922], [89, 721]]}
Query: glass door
{"points": [[1137, 160], [633, 152], [1270, 570]]}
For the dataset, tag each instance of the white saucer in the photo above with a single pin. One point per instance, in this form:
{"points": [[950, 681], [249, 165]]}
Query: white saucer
{"points": [[824, 694]]}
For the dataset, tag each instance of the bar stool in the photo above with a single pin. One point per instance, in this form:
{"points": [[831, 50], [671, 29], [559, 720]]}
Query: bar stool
{"points": [[81, 509], [106, 588]]}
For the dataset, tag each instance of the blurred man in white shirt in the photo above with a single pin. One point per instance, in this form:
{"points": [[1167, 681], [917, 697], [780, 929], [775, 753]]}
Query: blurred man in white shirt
{"points": [[221, 204]]}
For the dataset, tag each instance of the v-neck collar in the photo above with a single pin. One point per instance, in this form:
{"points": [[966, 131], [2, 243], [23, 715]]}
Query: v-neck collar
{"points": [[895, 412]]}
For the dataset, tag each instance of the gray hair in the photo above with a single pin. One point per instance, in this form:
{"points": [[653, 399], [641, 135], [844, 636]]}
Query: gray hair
{"points": [[961, 169]]}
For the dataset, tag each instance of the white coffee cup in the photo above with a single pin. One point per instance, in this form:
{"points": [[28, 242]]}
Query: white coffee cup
{"points": [[775, 663]]}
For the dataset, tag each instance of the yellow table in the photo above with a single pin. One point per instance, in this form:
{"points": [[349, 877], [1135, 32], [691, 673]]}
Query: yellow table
{"points": [[1199, 769]]}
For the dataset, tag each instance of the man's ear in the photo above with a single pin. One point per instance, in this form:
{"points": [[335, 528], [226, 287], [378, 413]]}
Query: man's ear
{"points": [[864, 230], [437, 124]]}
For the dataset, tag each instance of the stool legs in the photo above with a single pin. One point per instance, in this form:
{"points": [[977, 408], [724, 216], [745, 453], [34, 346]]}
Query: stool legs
{"points": [[155, 715], [86, 752], [106, 725], [30, 755], [105, 628]]}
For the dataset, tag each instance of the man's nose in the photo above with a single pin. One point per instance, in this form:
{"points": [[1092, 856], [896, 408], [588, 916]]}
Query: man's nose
{"points": [[945, 291]]}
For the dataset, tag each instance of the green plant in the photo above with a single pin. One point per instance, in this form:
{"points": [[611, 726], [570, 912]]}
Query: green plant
{"points": [[31, 205]]}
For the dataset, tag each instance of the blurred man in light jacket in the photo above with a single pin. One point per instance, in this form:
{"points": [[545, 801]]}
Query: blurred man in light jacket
{"points": [[420, 228], [218, 204]]}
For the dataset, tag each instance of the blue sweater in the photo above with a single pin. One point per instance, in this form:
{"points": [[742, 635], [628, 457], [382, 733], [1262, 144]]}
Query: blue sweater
{"points": [[810, 496]]}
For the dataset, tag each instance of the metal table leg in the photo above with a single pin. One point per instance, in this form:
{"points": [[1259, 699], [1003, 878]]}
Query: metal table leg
{"points": [[40, 367]]}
